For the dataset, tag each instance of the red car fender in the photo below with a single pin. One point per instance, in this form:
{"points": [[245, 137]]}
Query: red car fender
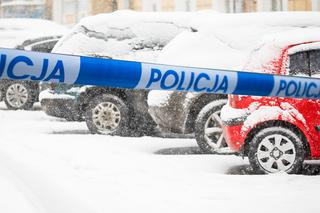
{"points": [[276, 113]]}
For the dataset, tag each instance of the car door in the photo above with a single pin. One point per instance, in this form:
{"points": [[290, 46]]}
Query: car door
{"points": [[306, 111], [299, 65], [314, 57]]}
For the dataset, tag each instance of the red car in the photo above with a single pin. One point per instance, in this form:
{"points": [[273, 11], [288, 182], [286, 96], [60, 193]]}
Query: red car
{"points": [[277, 134]]}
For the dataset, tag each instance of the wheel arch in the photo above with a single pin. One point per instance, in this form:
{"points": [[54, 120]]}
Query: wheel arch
{"points": [[92, 92], [32, 91], [271, 123], [195, 107]]}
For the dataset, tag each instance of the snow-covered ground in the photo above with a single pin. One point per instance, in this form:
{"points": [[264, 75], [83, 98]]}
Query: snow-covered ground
{"points": [[49, 165]]}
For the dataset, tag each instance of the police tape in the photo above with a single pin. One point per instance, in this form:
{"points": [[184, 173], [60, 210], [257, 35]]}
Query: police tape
{"points": [[80, 70]]}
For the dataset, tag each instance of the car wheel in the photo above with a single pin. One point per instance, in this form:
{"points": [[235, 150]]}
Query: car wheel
{"points": [[276, 149], [107, 114], [19, 96], [208, 127]]}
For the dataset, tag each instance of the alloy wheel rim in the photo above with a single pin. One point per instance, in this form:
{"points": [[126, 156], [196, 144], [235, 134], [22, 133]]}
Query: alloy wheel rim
{"points": [[276, 153], [213, 133], [17, 95], [106, 116]]}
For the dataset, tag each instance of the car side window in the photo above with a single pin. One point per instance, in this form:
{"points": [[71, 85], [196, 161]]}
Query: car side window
{"points": [[315, 62], [299, 64]]}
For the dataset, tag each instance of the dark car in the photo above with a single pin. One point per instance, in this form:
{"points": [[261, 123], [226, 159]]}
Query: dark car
{"points": [[110, 110], [26, 34], [23, 94]]}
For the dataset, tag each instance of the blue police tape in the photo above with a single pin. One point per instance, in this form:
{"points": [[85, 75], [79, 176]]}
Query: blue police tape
{"points": [[80, 70]]}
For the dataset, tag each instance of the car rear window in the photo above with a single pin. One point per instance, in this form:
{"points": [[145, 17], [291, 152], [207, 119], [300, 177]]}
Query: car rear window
{"points": [[305, 63], [299, 64], [314, 56]]}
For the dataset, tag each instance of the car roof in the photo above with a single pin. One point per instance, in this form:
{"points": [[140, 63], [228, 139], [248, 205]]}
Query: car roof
{"points": [[124, 34], [14, 31], [240, 41], [271, 47]]}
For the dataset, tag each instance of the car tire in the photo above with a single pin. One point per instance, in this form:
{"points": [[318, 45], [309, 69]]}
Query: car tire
{"points": [[275, 149], [108, 115], [1, 94], [19, 95], [208, 128]]}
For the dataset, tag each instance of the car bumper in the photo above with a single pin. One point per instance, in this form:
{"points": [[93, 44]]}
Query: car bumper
{"points": [[234, 138], [164, 120], [169, 113], [232, 120], [61, 106]]}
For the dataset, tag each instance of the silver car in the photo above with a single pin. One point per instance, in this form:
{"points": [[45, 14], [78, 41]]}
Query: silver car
{"points": [[111, 110], [188, 113]]}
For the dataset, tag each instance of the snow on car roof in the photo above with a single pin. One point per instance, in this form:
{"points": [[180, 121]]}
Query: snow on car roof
{"points": [[14, 31], [240, 41], [244, 41], [304, 47], [268, 19], [270, 47], [124, 34]]}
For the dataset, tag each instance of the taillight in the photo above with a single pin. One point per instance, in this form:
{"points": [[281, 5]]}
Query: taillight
{"points": [[234, 101]]}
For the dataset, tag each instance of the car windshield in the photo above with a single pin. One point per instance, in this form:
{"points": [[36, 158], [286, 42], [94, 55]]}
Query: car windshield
{"points": [[159, 106]]}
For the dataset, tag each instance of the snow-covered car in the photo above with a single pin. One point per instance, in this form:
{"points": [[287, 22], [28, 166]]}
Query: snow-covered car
{"points": [[278, 134], [187, 113], [26, 34], [23, 94], [126, 35], [195, 113], [214, 45]]}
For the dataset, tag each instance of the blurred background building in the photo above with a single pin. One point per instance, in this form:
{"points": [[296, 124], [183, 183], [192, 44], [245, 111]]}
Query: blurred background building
{"points": [[71, 11], [23, 8]]}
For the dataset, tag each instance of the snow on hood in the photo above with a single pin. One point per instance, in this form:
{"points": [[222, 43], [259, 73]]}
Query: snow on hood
{"points": [[14, 31], [125, 34], [229, 41]]}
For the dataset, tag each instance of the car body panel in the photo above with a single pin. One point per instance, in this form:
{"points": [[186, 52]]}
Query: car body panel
{"points": [[40, 44], [177, 113], [245, 114], [107, 36], [171, 116]]}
